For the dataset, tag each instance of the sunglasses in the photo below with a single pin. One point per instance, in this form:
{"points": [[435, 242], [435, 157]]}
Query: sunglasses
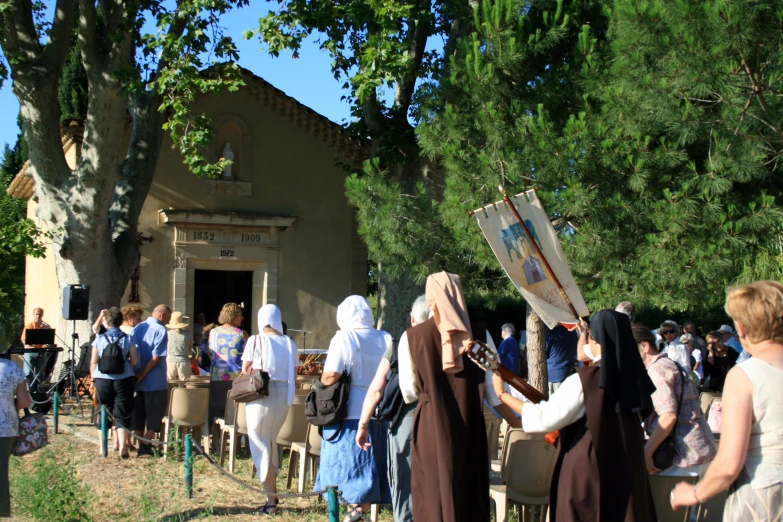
{"points": [[667, 332]]}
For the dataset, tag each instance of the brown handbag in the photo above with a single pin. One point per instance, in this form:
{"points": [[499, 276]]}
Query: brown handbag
{"points": [[249, 387]]}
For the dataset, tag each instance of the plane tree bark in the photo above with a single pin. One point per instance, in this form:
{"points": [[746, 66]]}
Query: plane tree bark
{"points": [[92, 211]]}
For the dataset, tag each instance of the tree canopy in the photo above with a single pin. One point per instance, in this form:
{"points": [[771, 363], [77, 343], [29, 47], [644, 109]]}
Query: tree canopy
{"points": [[149, 78], [654, 141]]}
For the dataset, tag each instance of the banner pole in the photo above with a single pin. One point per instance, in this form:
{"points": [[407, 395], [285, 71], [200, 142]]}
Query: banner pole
{"points": [[538, 251]]}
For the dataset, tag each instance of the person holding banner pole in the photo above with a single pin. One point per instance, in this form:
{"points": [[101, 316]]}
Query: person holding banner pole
{"points": [[600, 471]]}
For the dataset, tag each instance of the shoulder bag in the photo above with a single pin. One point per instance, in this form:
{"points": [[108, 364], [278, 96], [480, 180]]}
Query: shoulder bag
{"points": [[252, 386], [328, 405], [664, 456], [33, 434]]}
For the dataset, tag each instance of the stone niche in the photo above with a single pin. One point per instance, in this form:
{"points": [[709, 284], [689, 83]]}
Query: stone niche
{"points": [[232, 128]]}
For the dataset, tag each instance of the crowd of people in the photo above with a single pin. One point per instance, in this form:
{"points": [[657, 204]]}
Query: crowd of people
{"points": [[625, 400]]}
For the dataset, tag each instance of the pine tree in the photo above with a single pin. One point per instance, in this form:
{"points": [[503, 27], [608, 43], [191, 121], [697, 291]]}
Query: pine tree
{"points": [[652, 129], [72, 90]]}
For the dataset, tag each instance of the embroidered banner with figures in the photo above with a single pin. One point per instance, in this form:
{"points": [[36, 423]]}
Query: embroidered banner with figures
{"points": [[527, 266]]}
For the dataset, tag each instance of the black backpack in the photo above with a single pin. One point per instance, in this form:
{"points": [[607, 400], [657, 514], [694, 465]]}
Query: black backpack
{"points": [[391, 403], [112, 361]]}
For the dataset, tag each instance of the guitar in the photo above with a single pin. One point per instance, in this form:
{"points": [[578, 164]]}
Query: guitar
{"points": [[488, 360]]}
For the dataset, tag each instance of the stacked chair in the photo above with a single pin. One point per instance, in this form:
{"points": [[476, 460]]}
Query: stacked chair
{"points": [[302, 454], [229, 436], [294, 429], [527, 466], [188, 408]]}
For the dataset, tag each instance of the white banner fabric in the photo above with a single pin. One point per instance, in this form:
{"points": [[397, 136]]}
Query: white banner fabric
{"points": [[524, 265]]}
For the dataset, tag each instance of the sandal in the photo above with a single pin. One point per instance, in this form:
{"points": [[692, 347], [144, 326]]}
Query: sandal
{"points": [[267, 509], [354, 515]]}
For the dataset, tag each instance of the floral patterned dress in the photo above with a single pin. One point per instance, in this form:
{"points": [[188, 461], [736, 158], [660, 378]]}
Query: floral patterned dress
{"points": [[693, 439], [226, 345], [11, 376]]}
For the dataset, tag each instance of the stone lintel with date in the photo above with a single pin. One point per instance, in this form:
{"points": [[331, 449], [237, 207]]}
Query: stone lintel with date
{"points": [[198, 227]]}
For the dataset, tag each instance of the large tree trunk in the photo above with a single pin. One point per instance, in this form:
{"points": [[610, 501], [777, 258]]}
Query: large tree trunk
{"points": [[395, 300], [536, 352]]}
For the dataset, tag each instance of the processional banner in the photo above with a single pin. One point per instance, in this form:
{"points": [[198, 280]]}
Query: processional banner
{"points": [[529, 250]]}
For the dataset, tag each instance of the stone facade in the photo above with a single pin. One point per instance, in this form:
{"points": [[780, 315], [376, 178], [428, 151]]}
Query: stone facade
{"points": [[284, 217]]}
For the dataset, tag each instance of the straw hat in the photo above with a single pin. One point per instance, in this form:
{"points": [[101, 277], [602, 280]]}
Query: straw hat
{"points": [[178, 321]]}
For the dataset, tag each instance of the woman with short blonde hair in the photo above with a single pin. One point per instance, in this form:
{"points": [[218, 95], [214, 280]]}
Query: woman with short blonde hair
{"points": [[229, 313], [750, 457], [226, 346]]}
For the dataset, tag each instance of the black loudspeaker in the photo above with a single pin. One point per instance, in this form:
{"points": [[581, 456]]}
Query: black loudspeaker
{"points": [[76, 302]]}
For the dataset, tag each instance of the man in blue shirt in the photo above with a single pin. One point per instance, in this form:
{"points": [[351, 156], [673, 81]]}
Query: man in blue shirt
{"points": [[151, 340], [560, 355], [509, 349]]}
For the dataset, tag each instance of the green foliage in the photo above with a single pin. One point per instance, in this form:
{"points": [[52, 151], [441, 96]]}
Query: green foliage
{"points": [[653, 130], [182, 79], [377, 48], [19, 237], [48, 488], [72, 90]]}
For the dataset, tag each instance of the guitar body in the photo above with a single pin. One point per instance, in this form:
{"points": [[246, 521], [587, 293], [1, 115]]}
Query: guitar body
{"points": [[483, 356]]}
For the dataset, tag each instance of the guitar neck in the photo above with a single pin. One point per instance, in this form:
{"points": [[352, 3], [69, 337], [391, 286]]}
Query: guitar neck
{"points": [[519, 384]]}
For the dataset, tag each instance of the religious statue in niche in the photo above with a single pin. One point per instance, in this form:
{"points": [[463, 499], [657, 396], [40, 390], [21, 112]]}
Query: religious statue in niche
{"points": [[228, 154]]}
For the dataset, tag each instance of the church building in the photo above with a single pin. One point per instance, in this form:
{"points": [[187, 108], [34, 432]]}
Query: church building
{"points": [[276, 228]]}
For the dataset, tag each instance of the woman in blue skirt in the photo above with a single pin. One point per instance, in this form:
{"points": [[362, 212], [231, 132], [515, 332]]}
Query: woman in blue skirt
{"points": [[356, 349]]}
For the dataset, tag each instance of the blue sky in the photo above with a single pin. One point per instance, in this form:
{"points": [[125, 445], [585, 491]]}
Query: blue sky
{"points": [[308, 78]]}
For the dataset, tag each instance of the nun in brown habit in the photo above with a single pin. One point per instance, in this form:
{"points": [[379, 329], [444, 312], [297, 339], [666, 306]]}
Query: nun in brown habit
{"points": [[600, 474], [449, 460]]}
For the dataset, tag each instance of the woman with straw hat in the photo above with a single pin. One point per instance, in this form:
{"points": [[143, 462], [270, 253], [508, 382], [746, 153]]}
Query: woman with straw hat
{"points": [[180, 341]]}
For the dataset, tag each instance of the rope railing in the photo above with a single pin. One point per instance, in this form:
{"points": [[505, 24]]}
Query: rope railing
{"points": [[334, 497]]}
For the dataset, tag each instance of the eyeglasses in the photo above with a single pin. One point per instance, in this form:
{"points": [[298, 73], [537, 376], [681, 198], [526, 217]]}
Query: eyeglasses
{"points": [[668, 332]]}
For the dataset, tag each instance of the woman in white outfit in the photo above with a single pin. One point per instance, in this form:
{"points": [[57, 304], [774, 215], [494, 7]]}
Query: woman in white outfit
{"points": [[276, 354]]}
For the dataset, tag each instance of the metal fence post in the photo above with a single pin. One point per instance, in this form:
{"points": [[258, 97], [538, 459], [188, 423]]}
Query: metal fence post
{"points": [[55, 415], [104, 433], [189, 465], [333, 506]]}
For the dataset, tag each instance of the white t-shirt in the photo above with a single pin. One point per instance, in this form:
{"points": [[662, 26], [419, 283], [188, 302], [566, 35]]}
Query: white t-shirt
{"points": [[678, 352], [373, 343], [281, 346], [696, 353]]}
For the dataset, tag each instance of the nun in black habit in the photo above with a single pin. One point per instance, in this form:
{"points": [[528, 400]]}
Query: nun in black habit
{"points": [[600, 474]]}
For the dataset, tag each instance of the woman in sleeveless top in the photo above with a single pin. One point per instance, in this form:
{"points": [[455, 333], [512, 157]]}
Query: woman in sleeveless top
{"points": [[226, 345], [750, 456], [276, 354], [600, 472]]}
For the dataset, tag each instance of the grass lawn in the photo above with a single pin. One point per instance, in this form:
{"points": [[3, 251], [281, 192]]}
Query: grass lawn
{"points": [[69, 481]]}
